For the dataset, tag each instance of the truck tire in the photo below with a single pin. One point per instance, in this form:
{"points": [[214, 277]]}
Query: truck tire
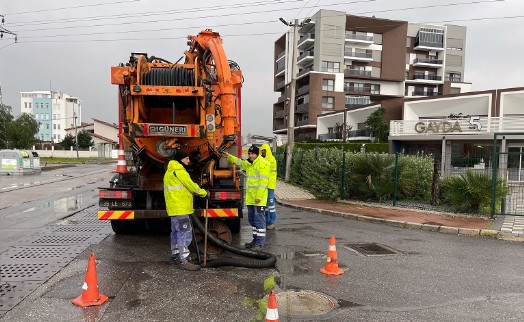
{"points": [[123, 227], [233, 225]]}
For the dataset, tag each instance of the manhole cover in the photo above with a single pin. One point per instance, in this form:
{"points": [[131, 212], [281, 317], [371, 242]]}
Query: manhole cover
{"points": [[304, 303], [371, 249], [43, 252]]}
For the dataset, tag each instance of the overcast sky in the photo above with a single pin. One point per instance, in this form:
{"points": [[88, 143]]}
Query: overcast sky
{"points": [[69, 46]]}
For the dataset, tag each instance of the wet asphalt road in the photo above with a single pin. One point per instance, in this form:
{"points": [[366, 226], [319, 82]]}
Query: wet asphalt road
{"points": [[432, 277]]}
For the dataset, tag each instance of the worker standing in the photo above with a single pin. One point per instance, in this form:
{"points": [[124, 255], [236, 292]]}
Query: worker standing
{"points": [[179, 189], [271, 211], [257, 176]]}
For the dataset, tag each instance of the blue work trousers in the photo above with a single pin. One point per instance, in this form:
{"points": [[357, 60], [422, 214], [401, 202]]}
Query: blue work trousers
{"points": [[257, 220], [271, 210], [181, 236]]}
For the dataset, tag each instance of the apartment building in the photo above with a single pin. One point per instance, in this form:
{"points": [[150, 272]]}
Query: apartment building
{"points": [[54, 111], [346, 63]]}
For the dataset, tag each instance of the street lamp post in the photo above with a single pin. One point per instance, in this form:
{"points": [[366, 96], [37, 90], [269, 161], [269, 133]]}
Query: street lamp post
{"points": [[291, 112]]}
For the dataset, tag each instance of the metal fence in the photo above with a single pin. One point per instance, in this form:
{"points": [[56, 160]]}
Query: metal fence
{"points": [[507, 166]]}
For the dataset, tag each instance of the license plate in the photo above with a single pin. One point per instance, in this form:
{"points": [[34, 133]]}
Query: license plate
{"points": [[115, 203]]}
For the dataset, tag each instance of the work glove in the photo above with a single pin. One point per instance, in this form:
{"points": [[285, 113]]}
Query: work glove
{"points": [[208, 195]]}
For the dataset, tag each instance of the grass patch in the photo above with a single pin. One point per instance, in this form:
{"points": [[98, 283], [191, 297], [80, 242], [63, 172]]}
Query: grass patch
{"points": [[67, 160]]}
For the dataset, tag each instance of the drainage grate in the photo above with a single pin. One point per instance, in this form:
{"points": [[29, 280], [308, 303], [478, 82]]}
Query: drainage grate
{"points": [[371, 249], [29, 271], [12, 293], [66, 239], [43, 252], [82, 229], [304, 303]]}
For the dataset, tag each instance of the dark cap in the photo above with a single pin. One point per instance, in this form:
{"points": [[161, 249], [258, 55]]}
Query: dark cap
{"points": [[253, 149], [179, 155]]}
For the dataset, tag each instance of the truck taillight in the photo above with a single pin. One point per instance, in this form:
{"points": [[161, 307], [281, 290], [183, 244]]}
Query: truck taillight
{"points": [[225, 195], [115, 194]]}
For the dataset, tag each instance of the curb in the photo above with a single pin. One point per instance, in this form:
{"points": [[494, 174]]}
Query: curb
{"points": [[490, 233]]}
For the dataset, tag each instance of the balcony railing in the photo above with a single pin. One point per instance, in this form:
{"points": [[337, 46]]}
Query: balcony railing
{"points": [[303, 108], [361, 72], [429, 44], [282, 54], [303, 89], [281, 99], [280, 114], [350, 136], [365, 38], [305, 54], [425, 93], [428, 61], [280, 84], [427, 77], [304, 38], [357, 89], [302, 122], [304, 71], [358, 54], [464, 126]]}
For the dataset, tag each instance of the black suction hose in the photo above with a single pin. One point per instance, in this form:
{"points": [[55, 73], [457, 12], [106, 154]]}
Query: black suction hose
{"points": [[255, 260]]}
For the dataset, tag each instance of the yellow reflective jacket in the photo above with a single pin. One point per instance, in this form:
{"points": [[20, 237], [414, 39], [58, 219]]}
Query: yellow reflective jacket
{"points": [[257, 177], [272, 184], [179, 189]]}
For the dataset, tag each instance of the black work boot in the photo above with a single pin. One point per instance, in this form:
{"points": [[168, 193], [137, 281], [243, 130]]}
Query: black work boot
{"points": [[250, 245], [189, 266]]}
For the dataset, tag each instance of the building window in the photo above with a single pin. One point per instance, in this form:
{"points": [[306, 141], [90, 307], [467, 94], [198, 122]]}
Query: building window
{"points": [[453, 77], [58, 126], [59, 137], [330, 67], [47, 116], [25, 104], [328, 85], [47, 126], [328, 102], [375, 89], [54, 136], [29, 105], [54, 116], [54, 126]]}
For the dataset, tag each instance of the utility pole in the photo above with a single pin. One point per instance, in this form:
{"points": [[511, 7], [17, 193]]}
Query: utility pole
{"points": [[292, 88], [76, 135]]}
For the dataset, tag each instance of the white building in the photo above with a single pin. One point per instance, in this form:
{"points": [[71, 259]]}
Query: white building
{"points": [[104, 135], [54, 111]]}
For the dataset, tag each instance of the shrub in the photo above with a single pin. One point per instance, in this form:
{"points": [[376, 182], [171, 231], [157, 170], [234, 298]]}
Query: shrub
{"points": [[471, 192]]}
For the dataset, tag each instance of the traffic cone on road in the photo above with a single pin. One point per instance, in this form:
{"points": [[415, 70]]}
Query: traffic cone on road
{"points": [[90, 295], [272, 311], [121, 165], [331, 267]]}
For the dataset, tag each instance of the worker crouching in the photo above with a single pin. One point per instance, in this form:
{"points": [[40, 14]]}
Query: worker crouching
{"points": [[257, 175]]}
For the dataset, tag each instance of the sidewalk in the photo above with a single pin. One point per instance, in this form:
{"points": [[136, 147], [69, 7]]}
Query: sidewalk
{"points": [[503, 227]]}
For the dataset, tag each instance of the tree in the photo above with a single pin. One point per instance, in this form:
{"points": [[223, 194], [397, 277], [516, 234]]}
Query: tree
{"points": [[5, 119], [84, 140], [377, 123], [21, 133], [68, 141]]}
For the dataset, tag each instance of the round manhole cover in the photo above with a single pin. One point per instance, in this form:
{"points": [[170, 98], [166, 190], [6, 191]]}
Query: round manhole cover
{"points": [[304, 303]]}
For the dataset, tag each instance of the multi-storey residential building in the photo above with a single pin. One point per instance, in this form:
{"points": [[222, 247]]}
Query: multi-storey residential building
{"points": [[345, 63], [54, 111]]}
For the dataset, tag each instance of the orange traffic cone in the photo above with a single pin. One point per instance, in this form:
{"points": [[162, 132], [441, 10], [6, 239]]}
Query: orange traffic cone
{"points": [[331, 267], [121, 165], [90, 295], [272, 311]]}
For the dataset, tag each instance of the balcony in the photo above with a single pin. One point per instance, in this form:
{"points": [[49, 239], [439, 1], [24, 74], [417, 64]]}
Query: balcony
{"points": [[280, 85], [357, 89], [352, 135], [428, 46], [302, 90], [304, 71], [425, 93], [306, 40], [330, 136], [281, 98], [357, 72], [424, 77], [303, 108], [280, 70], [282, 54], [302, 122], [358, 56], [280, 114], [358, 38], [427, 62], [305, 57]]}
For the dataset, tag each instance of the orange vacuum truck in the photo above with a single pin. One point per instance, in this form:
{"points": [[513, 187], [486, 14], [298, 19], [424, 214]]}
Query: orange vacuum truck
{"points": [[192, 105]]}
